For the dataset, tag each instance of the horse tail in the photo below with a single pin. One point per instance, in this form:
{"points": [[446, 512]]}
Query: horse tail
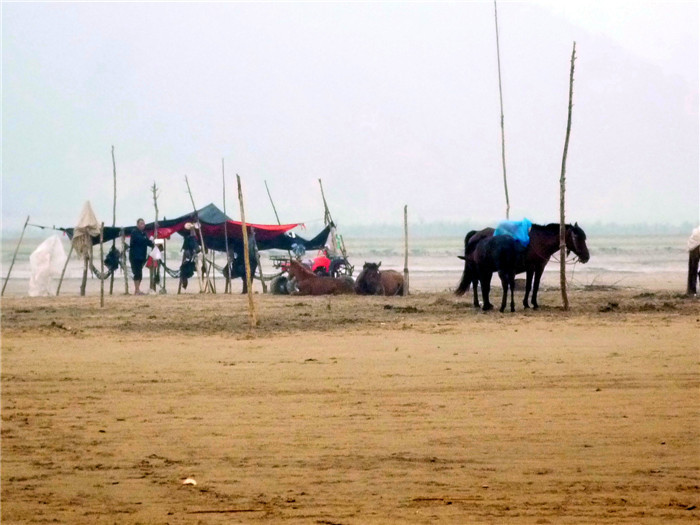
{"points": [[466, 280]]}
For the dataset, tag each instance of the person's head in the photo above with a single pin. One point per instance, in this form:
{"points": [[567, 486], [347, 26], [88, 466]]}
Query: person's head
{"points": [[141, 224]]}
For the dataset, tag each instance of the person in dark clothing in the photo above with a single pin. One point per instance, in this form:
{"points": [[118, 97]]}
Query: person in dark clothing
{"points": [[137, 253], [190, 249]]}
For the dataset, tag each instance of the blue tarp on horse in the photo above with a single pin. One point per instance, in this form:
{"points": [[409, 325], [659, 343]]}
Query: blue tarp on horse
{"points": [[519, 230]]}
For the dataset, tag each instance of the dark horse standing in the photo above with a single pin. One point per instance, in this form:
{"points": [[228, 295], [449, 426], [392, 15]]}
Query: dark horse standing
{"points": [[497, 254], [544, 242]]}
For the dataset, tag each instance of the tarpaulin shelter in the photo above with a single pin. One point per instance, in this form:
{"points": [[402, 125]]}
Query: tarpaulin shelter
{"points": [[214, 223]]}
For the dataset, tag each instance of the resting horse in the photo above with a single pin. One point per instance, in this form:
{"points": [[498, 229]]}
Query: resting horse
{"points": [[372, 281], [544, 242], [308, 283]]}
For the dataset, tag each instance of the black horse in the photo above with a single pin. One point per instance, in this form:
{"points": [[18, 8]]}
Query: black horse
{"points": [[544, 242], [497, 254]]}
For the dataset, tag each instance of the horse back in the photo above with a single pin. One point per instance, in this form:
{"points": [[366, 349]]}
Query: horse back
{"points": [[392, 282]]}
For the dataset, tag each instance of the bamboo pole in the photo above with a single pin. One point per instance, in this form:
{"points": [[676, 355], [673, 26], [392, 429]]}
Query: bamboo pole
{"points": [[274, 208], [562, 190], [405, 249], [60, 281], [165, 260], [500, 96], [14, 256], [213, 274], [251, 303], [154, 269], [102, 266], [273, 204], [124, 267], [202, 286], [227, 275], [114, 214], [257, 260]]}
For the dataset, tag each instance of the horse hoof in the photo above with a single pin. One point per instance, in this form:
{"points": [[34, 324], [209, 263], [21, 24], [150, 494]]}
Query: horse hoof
{"points": [[527, 306], [501, 310], [487, 307], [535, 307]]}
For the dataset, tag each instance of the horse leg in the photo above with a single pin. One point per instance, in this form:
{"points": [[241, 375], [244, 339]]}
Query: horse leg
{"points": [[512, 291], [536, 287], [475, 285], [528, 287], [504, 284], [485, 280]]}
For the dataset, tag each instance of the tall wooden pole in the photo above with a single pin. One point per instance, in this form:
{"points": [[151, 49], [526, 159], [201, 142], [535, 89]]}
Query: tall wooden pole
{"points": [[253, 318], [155, 269], [60, 281], [257, 260], [7, 279], [562, 190], [227, 275], [114, 214], [102, 266], [405, 249], [500, 95], [273, 203], [326, 212], [274, 208], [202, 288]]}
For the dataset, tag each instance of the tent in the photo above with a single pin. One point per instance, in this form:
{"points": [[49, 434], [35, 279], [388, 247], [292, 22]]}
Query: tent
{"points": [[212, 220]]}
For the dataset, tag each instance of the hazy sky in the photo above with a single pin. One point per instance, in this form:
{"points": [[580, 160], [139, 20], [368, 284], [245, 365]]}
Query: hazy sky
{"points": [[389, 103]]}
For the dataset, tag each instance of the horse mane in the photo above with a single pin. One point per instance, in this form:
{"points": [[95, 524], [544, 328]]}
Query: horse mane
{"points": [[553, 228]]}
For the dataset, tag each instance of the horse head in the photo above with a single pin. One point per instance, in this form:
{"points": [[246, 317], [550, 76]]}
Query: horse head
{"points": [[369, 279], [299, 271], [576, 242]]}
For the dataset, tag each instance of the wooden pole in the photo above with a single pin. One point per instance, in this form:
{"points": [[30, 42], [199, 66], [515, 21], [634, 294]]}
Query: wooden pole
{"points": [[500, 95], [102, 266], [405, 249], [273, 204], [251, 303], [213, 274], [227, 287], [60, 281], [257, 260], [114, 214], [562, 190], [289, 252], [202, 287], [154, 269], [7, 279], [124, 259], [165, 260]]}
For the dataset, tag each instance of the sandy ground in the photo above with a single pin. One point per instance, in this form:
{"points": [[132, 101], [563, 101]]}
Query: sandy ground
{"points": [[351, 410]]}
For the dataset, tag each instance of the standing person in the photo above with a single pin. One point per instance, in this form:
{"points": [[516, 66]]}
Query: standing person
{"points": [[190, 249], [137, 253]]}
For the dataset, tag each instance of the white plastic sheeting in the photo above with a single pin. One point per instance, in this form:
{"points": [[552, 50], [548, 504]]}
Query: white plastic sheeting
{"points": [[87, 227], [45, 264], [694, 240]]}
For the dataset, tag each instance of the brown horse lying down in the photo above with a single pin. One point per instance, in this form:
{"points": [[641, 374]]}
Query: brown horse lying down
{"points": [[308, 283], [371, 281]]}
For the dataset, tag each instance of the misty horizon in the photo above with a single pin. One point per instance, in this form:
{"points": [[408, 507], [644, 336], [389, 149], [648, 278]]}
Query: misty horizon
{"points": [[389, 104]]}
